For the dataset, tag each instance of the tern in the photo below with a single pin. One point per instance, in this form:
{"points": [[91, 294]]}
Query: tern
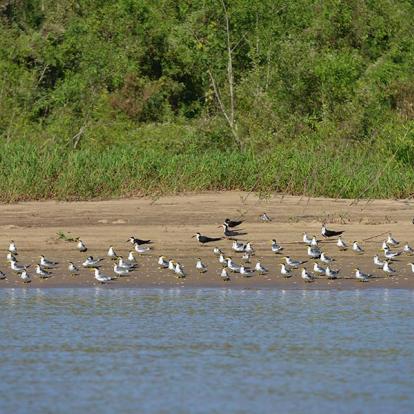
{"points": [[329, 233], [101, 278], [200, 266], [389, 254], [246, 257], [306, 276], [17, 267], [141, 249], [224, 275], [43, 274], [10, 257], [233, 267], [134, 240], [341, 244], [330, 273], [314, 242], [357, 248], [125, 264], [314, 252], [2, 275], [232, 223], [111, 253], [217, 252], [285, 271], [408, 249], [171, 265], [318, 269], [91, 262], [25, 277], [294, 263], [163, 262], [205, 239], [260, 269], [131, 257], [387, 269], [222, 260], [378, 262], [246, 272], [265, 218], [326, 259], [180, 274], [362, 277], [120, 271], [391, 241], [384, 245], [12, 247], [276, 248], [73, 270], [47, 264], [238, 246], [412, 266], [249, 248], [306, 239], [81, 246]]}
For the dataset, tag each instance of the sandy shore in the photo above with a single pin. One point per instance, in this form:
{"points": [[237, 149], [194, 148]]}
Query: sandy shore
{"points": [[171, 221]]}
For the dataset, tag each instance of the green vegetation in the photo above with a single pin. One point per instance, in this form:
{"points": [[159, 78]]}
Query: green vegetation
{"points": [[133, 97]]}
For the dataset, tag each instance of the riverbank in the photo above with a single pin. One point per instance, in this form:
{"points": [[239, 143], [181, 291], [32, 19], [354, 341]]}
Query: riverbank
{"points": [[172, 221]]}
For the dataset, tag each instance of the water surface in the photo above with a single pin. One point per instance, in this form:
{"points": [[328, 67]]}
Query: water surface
{"points": [[206, 351]]}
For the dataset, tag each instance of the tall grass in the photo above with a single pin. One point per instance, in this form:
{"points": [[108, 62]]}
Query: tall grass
{"points": [[31, 172]]}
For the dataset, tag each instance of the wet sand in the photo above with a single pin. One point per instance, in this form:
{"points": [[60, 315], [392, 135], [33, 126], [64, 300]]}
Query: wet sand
{"points": [[171, 221]]}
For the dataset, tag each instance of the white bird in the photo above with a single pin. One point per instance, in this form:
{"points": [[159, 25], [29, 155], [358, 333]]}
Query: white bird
{"points": [[378, 262], [111, 253], [12, 247], [384, 245], [91, 262], [387, 269], [171, 265], [260, 269], [120, 271], [265, 218], [224, 275], [318, 269], [233, 267], [408, 249], [25, 277], [246, 257], [246, 272], [238, 246], [179, 271], [72, 269], [276, 248], [141, 249], [81, 246], [389, 254], [362, 277], [357, 248], [101, 278], [306, 276], [131, 257], [330, 273], [10, 257], [391, 241], [293, 263], [314, 242], [222, 259], [217, 251], [17, 267], [285, 271], [43, 274], [306, 239], [412, 266], [124, 264], [314, 252], [163, 262], [326, 259], [47, 264], [341, 244], [249, 248], [200, 266]]}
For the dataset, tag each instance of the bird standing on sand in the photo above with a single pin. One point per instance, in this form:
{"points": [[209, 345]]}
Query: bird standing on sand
{"points": [[306, 276], [179, 272], [120, 271], [81, 246], [25, 277], [408, 249], [200, 266], [285, 271], [329, 233], [362, 277], [306, 239], [111, 253], [135, 240], [162, 262], [387, 268], [246, 272], [357, 248], [141, 249], [91, 262], [42, 273], [47, 264], [73, 270], [205, 239], [341, 244], [232, 223], [314, 252], [265, 218], [12, 247], [330, 273], [2, 275], [293, 263], [326, 259], [378, 262], [238, 247], [389, 254], [391, 241], [101, 278], [276, 248], [318, 269], [233, 267], [224, 275], [260, 269], [17, 267]]}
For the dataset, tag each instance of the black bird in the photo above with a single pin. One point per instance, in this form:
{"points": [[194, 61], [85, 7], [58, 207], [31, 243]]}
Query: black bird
{"points": [[205, 239], [329, 233], [134, 240], [230, 233], [232, 223]]}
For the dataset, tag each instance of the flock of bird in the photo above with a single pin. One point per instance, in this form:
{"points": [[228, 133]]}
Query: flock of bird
{"points": [[323, 265]]}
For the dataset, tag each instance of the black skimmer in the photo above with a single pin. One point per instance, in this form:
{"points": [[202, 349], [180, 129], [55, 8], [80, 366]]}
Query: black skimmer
{"points": [[205, 239], [232, 223], [231, 233], [330, 233], [135, 240]]}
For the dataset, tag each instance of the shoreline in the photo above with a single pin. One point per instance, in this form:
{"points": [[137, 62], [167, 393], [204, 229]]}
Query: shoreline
{"points": [[172, 221]]}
